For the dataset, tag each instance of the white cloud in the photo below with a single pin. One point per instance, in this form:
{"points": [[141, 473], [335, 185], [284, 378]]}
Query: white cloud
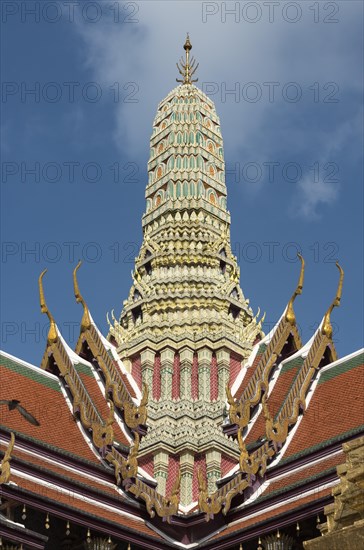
{"points": [[305, 52], [313, 194], [146, 53], [321, 186]]}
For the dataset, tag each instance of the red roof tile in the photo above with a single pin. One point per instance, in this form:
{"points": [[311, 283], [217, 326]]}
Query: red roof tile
{"points": [[42, 396], [337, 406]]}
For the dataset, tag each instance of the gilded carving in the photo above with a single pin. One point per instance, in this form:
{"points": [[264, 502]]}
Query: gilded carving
{"points": [[52, 333], [290, 315], [165, 507], [209, 504], [5, 470], [220, 500], [240, 409], [249, 465], [125, 468], [86, 322], [326, 325], [135, 415], [103, 434], [114, 385]]}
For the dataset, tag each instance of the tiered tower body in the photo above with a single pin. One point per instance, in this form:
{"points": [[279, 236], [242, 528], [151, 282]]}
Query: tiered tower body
{"points": [[186, 325]]}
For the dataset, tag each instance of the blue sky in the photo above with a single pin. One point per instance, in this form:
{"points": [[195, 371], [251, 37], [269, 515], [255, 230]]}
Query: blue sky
{"points": [[293, 139]]}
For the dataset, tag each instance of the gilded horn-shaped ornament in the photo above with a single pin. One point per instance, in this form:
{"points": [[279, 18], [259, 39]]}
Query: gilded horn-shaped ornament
{"points": [[86, 321], [290, 315], [52, 333], [327, 326]]}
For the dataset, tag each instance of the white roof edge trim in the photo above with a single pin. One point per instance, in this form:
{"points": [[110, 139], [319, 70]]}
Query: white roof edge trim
{"points": [[72, 354], [74, 494], [59, 464], [29, 366], [295, 498], [186, 546], [186, 509], [249, 362], [145, 474], [341, 360], [111, 348]]}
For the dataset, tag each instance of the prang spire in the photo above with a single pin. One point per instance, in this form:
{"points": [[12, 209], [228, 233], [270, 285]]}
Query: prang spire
{"points": [[186, 324], [188, 67]]}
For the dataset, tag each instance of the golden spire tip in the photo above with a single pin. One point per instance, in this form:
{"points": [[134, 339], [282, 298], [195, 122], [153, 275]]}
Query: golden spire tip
{"points": [[187, 67]]}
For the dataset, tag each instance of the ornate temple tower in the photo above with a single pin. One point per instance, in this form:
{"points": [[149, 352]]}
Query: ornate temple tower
{"points": [[187, 428], [186, 325]]}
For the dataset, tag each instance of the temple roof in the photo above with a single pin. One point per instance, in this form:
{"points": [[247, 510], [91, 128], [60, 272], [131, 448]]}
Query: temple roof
{"points": [[42, 394], [283, 409], [313, 446]]}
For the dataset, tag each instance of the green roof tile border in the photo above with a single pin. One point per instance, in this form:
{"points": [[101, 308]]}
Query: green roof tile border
{"points": [[291, 363], [342, 367], [261, 349], [30, 373], [81, 368]]}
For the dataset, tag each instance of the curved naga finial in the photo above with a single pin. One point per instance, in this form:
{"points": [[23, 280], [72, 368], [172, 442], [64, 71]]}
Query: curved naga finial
{"points": [[188, 67], [135, 415], [52, 333], [326, 326], [210, 504], [290, 315], [86, 321], [168, 506]]}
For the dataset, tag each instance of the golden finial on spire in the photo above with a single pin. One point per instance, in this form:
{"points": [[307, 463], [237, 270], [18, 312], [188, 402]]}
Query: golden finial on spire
{"points": [[86, 321], [290, 315], [188, 67], [52, 333], [326, 325]]}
